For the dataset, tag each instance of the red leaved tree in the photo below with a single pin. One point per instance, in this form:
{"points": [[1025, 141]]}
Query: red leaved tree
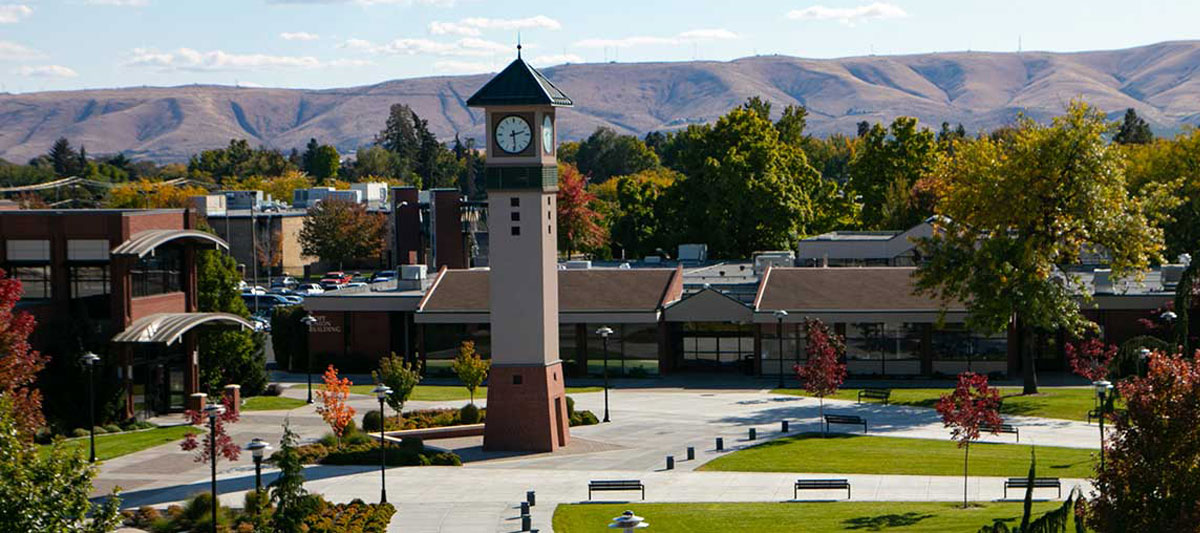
{"points": [[1090, 358], [19, 362], [225, 445], [822, 373], [334, 409], [578, 224], [1150, 481], [967, 411]]}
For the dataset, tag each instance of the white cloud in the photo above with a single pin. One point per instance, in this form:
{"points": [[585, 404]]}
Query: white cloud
{"points": [[465, 47], [12, 13], [45, 71], [299, 36], [10, 51], [849, 15], [462, 67], [357, 44], [435, 3], [555, 59], [475, 26], [690, 36], [216, 60], [120, 3], [350, 63]]}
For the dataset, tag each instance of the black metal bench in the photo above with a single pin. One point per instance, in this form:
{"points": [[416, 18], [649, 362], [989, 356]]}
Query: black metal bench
{"points": [[1038, 483], [873, 393], [616, 485], [846, 419], [1002, 428], [820, 484]]}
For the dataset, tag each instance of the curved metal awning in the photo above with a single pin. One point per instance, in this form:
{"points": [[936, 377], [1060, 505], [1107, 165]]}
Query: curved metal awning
{"points": [[167, 328], [144, 242]]}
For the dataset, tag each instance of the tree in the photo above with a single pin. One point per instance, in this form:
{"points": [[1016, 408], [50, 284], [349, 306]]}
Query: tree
{"points": [[1148, 481], [1015, 211], [1133, 130], [225, 445], [324, 163], [605, 154], [578, 224], [289, 336], [822, 373], [238, 160], [399, 375], [64, 158], [226, 356], [334, 409], [1090, 359], [967, 411], [886, 166], [292, 502], [19, 362], [470, 368], [639, 218], [47, 489], [400, 136], [1165, 174], [376, 161], [143, 194], [339, 231]]}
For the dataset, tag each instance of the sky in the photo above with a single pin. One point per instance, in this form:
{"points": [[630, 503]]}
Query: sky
{"points": [[77, 44]]}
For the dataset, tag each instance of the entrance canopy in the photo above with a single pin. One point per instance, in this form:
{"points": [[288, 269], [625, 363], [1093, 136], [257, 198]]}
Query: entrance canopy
{"points": [[144, 242], [168, 328]]}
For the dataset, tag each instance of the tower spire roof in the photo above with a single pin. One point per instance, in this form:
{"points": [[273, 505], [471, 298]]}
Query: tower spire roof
{"points": [[519, 84]]}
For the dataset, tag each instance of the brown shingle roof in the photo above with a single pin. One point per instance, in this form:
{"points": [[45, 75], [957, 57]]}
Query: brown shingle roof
{"points": [[853, 289], [578, 290]]}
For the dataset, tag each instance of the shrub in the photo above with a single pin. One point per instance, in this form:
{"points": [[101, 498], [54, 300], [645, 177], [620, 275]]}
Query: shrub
{"points": [[99, 430], [273, 389], [469, 414], [410, 452], [358, 437], [412, 444], [570, 406], [588, 418], [354, 517], [372, 420], [79, 432], [112, 428]]}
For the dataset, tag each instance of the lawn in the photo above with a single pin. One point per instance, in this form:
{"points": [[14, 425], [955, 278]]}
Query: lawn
{"points": [[797, 517], [117, 444], [444, 393], [1052, 402], [271, 403], [860, 454]]}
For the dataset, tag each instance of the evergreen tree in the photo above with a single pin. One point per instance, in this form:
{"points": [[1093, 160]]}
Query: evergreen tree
{"points": [[1133, 130], [227, 357], [64, 158]]}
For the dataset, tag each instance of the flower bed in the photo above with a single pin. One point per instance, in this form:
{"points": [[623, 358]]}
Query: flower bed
{"points": [[360, 449]]}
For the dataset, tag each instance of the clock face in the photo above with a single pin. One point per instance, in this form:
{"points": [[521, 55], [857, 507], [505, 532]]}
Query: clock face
{"points": [[547, 135], [513, 134]]}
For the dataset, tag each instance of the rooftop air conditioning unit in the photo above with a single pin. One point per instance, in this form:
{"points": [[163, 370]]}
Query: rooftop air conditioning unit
{"points": [[578, 264], [412, 272], [1171, 274], [1102, 281]]}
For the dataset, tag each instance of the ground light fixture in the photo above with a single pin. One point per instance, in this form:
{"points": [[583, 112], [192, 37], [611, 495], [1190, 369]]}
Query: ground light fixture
{"points": [[780, 314], [1143, 356], [213, 411], [258, 448], [604, 332], [90, 359], [1103, 389], [382, 391], [308, 322], [628, 522]]}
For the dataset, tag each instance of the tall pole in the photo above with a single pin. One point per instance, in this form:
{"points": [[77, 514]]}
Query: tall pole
{"points": [[92, 411], [308, 322], [779, 334], [212, 459], [1102, 408], [257, 473], [606, 378], [382, 456], [254, 257]]}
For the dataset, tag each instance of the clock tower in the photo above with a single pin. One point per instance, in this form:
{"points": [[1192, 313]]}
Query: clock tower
{"points": [[526, 408]]}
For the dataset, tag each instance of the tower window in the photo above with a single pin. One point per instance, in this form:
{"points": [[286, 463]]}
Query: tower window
{"points": [[514, 202], [517, 379], [516, 230], [516, 216]]}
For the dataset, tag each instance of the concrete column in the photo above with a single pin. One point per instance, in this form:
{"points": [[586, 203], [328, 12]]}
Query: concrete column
{"points": [[191, 364]]}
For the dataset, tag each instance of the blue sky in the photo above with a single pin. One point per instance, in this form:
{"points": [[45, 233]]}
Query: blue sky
{"points": [[73, 44]]}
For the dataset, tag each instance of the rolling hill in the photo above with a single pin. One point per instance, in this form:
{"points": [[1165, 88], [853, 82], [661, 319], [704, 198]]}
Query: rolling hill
{"points": [[980, 90]]}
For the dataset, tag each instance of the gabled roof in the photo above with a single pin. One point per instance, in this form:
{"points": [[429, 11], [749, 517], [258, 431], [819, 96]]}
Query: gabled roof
{"points": [[579, 291], [519, 84], [844, 289], [708, 305]]}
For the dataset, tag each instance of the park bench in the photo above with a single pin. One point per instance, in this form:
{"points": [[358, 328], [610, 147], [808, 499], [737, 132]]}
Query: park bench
{"points": [[1038, 483], [846, 419], [1002, 428], [872, 393], [820, 484], [616, 485]]}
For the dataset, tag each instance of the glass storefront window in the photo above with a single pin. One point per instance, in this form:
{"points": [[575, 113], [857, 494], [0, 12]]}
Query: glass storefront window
{"points": [[160, 273], [35, 280], [89, 281]]}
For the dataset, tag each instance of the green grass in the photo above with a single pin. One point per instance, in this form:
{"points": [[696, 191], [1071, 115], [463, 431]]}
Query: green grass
{"points": [[117, 444], [1052, 402], [860, 454], [797, 517], [271, 403], [444, 393]]}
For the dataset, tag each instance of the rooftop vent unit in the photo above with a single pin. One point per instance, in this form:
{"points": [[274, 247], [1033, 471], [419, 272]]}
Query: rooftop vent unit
{"points": [[578, 264], [1102, 281], [1171, 274], [412, 272]]}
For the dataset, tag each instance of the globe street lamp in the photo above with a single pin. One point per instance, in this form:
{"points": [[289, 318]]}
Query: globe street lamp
{"points": [[628, 522], [258, 448], [604, 332], [382, 391], [780, 314], [1143, 355], [213, 411], [90, 359], [308, 322], [1103, 388]]}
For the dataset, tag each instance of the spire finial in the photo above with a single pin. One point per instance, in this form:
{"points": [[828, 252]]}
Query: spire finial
{"points": [[518, 45]]}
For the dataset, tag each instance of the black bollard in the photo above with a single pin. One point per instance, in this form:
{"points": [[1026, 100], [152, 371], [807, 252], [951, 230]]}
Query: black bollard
{"points": [[691, 453], [753, 434], [524, 508], [783, 426], [531, 498], [526, 522], [720, 444], [670, 462]]}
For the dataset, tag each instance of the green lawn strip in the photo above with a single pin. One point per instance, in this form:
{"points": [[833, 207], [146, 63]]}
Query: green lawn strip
{"points": [[443, 393], [271, 403], [1051, 402], [790, 517], [859, 454], [113, 445]]}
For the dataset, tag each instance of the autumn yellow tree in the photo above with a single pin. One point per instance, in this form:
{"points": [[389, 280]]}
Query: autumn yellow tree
{"points": [[334, 409], [152, 194]]}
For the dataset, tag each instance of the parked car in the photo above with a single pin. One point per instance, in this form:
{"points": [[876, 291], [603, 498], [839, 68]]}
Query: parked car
{"points": [[384, 275], [284, 281], [308, 289], [342, 277], [265, 301], [253, 290], [261, 324], [355, 284]]}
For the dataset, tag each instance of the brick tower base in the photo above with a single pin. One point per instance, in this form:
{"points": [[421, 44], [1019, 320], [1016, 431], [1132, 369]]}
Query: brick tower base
{"points": [[526, 409]]}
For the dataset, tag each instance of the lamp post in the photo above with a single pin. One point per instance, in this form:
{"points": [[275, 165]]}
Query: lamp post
{"points": [[90, 360], [1143, 354], [780, 314], [308, 322], [1102, 390], [382, 391], [213, 411], [604, 332], [258, 448], [628, 522]]}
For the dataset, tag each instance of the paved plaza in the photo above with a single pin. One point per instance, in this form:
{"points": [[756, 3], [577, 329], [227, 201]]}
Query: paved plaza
{"points": [[647, 425]]}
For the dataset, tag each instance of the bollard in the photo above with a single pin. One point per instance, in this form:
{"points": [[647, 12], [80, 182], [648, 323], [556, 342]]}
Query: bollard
{"points": [[526, 522], [691, 453], [524, 508], [720, 444], [783, 426], [530, 498], [670, 462], [753, 434]]}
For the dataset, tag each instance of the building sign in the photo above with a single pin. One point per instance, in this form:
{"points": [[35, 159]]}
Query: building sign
{"points": [[323, 325]]}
